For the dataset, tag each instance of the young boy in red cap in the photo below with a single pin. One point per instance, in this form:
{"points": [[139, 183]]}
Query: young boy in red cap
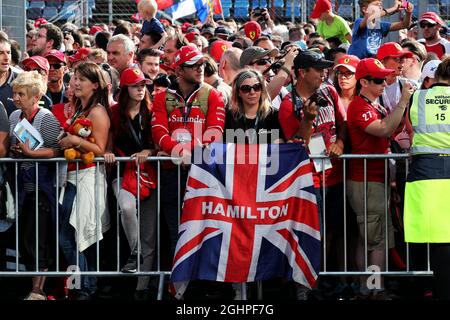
{"points": [[331, 25]]}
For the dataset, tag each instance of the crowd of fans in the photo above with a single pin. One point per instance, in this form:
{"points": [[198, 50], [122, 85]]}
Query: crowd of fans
{"points": [[148, 89]]}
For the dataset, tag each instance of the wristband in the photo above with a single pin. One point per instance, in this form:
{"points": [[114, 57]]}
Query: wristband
{"points": [[78, 146], [386, 12]]}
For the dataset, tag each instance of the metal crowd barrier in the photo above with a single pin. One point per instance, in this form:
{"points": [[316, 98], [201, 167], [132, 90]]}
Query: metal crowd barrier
{"points": [[164, 274]]}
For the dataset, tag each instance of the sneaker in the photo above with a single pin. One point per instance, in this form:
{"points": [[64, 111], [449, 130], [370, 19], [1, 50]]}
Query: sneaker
{"points": [[131, 265], [35, 296]]}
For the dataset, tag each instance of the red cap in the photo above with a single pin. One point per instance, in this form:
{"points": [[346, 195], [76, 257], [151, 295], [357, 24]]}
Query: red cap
{"points": [[185, 26], [252, 30], [187, 55], [347, 61], [35, 62], [431, 17], [39, 22], [95, 29], [217, 48], [392, 49], [320, 7], [373, 68], [80, 55], [132, 76], [55, 54], [190, 36], [136, 17]]}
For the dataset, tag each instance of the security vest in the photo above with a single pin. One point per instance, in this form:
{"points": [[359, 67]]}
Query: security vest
{"points": [[430, 119], [201, 100]]}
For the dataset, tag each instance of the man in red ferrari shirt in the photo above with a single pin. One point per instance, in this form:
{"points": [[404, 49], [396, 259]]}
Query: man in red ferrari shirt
{"points": [[188, 113], [369, 127]]}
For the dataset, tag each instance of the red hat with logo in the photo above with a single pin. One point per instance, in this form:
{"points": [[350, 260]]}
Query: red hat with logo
{"points": [[431, 17], [373, 68], [94, 29], [187, 55], [185, 26], [39, 22], [35, 62], [348, 61], [393, 50], [55, 55], [252, 30], [320, 7], [80, 55], [132, 76], [217, 48]]}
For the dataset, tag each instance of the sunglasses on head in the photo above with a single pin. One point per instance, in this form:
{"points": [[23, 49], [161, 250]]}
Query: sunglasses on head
{"points": [[377, 80], [262, 62], [247, 88], [427, 25]]}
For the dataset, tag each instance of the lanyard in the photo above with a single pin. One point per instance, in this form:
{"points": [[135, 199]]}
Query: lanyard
{"points": [[382, 110]]}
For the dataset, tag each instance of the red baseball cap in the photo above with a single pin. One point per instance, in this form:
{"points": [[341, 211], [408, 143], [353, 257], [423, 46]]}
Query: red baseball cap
{"points": [[217, 48], [55, 54], [252, 30], [185, 26], [80, 55], [187, 55], [39, 22], [394, 50], [136, 17], [132, 76], [320, 7], [373, 68], [348, 61], [35, 62], [94, 29], [431, 17]]}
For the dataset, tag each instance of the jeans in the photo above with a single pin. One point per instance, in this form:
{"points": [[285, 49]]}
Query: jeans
{"points": [[67, 242]]}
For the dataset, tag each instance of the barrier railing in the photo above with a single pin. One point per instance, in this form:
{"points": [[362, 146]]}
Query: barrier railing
{"points": [[60, 166]]}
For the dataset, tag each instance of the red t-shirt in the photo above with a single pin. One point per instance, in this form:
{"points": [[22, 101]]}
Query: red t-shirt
{"points": [[58, 112], [359, 115], [326, 123]]}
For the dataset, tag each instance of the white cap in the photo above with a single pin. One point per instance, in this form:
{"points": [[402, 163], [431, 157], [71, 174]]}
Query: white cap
{"points": [[429, 69]]}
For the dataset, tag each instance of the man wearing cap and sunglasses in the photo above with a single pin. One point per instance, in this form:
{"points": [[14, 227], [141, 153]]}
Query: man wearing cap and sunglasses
{"points": [[369, 127], [188, 113], [430, 23], [56, 88]]}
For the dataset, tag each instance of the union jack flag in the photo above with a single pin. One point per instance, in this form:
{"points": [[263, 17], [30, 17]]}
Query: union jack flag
{"points": [[242, 221]]}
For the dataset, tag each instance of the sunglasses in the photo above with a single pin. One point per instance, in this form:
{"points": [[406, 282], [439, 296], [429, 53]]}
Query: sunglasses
{"points": [[247, 88], [262, 62], [377, 80], [346, 75], [196, 66], [56, 66], [427, 25]]}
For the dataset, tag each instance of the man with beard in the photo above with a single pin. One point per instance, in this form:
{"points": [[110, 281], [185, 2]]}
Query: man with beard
{"points": [[49, 37], [190, 112], [431, 23]]}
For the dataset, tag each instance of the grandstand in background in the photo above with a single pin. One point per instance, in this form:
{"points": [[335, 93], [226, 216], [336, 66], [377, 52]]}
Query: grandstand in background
{"points": [[88, 12]]}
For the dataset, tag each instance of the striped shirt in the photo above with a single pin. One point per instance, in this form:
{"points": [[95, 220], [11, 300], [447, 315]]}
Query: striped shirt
{"points": [[46, 124]]}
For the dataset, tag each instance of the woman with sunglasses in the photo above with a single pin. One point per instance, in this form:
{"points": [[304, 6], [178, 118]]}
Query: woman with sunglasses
{"points": [[345, 81], [251, 111], [132, 137], [369, 127]]}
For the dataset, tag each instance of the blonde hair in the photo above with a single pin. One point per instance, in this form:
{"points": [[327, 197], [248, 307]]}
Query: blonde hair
{"points": [[147, 9], [98, 54], [237, 105], [32, 81]]}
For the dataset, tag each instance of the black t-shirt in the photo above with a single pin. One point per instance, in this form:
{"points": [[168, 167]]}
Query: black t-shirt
{"points": [[257, 130]]}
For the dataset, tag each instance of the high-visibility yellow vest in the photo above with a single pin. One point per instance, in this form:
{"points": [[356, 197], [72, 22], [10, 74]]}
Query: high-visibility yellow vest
{"points": [[430, 118]]}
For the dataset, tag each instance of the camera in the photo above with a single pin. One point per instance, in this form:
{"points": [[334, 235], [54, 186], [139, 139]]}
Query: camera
{"points": [[319, 100]]}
